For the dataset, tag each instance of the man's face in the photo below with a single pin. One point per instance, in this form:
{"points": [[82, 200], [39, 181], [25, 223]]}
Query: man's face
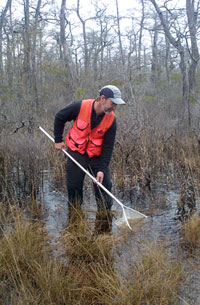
{"points": [[108, 105]]}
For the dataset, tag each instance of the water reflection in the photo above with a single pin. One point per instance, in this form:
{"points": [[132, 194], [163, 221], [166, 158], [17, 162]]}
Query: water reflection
{"points": [[159, 203]]}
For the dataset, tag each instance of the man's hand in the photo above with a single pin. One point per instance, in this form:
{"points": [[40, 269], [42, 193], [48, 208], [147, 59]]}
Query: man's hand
{"points": [[60, 146], [99, 177]]}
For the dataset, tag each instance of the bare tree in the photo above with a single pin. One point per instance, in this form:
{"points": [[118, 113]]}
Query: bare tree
{"points": [[2, 21], [30, 36], [27, 46], [66, 51], [141, 34], [167, 57], [119, 35], [187, 77], [154, 62], [86, 51], [192, 16], [101, 40], [33, 54], [104, 39], [9, 59]]}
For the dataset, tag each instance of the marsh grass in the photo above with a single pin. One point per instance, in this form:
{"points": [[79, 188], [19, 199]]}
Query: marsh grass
{"points": [[85, 271], [139, 161], [157, 276], [23, 158], [34, 209], [57, 162], [83, 243], [187, 166], [191, 231], [22, 249], [143, 162]]}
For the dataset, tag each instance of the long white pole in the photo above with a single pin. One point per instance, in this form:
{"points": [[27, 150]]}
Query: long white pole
{"points": [[98, 183]]}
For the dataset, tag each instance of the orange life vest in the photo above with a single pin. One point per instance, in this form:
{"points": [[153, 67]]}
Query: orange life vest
{"points": [[81, 138]]}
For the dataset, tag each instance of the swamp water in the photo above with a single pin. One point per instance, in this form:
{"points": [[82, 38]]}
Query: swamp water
{"points": [[162, 226]]}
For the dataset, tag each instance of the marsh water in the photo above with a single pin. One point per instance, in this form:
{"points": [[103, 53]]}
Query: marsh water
{"points": [[162, 224]]}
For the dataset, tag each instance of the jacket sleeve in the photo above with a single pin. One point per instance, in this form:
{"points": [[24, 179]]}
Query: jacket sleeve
{"points": [[67, 114], [108, 145]]}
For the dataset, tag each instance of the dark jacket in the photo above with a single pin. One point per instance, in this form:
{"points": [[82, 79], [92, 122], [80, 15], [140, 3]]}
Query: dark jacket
{"points": [[70, 113]]}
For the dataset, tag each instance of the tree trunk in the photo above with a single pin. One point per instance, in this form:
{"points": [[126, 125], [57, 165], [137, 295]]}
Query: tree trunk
{"points": [[185, 115], [167, 58], [154, 64], [86, 52], [140, 36], [102, 53], [66, 52], [119, 35], [192, 24], [27, 47], [2, 20], [9, 66], [33, 57]]}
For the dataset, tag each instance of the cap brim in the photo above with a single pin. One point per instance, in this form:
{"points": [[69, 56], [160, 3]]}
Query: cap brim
{"points": [[117, 101]]}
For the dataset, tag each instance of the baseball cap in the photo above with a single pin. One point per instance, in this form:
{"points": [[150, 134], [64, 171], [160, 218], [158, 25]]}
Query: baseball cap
{"points": [[113, 93]]}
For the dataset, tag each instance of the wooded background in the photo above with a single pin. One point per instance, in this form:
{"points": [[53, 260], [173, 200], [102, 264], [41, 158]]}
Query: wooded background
{"points": [[51, 56]]}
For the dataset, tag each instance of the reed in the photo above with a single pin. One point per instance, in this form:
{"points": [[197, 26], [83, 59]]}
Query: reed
{"points": [[23, 161], [84, 272], [85, 269], [157, 276], [191, 231], [56, 162], [144, 157], [22, 248], [83, 243]]}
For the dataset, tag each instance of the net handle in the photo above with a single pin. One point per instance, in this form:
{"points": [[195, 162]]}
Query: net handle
{"points": [[98, 183]]}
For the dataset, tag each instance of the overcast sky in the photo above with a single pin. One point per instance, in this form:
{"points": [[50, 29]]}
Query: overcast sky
{"points": [[127, 8], [124, 5]]}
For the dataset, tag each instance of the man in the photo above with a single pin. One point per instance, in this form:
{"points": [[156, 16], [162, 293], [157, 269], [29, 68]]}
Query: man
{"points": [[90, 141]]}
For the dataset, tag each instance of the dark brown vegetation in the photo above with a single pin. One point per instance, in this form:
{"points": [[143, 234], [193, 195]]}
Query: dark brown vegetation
{"points": [[83, 271], [84, 268], [43, 69]]}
